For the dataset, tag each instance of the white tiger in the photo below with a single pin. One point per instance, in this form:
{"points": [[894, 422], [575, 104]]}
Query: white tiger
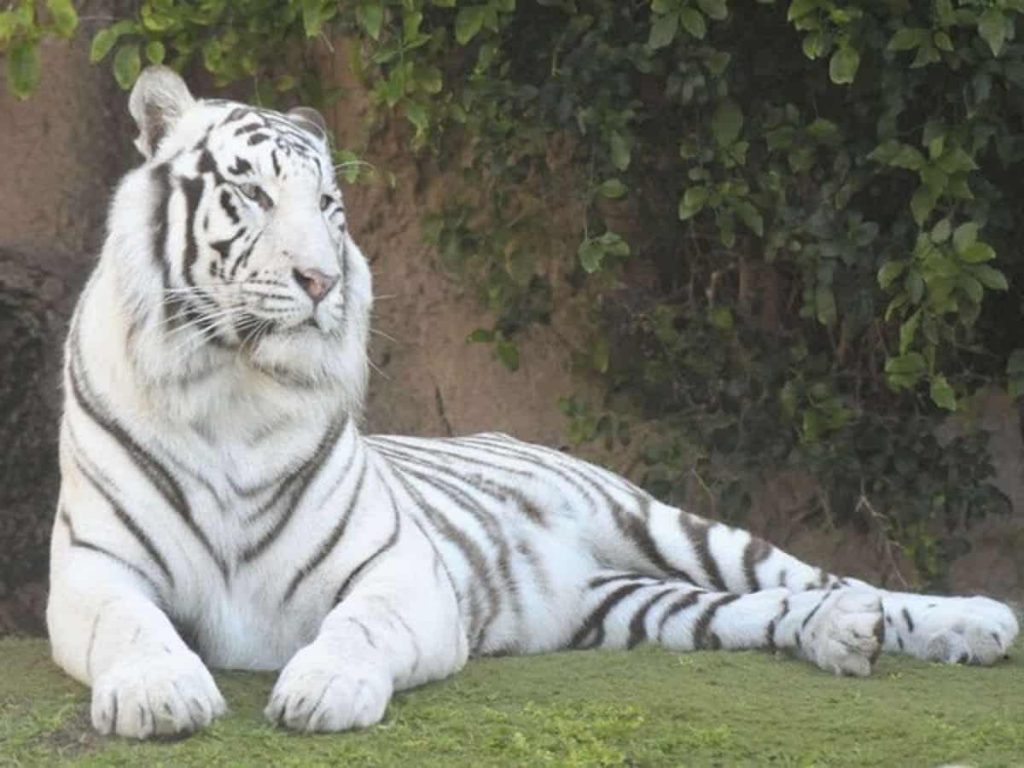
{"points": [[219, 506]]}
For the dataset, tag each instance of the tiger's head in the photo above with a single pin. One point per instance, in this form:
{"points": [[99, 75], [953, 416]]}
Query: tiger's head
{"points": [[250, 258]]}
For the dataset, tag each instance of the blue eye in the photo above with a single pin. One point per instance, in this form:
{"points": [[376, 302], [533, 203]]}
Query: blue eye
{"points": [[325, 202]]}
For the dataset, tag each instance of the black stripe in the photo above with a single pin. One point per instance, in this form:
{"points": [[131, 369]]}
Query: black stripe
{"points": [[160, 176], [80, 543], [678, 606], [327, 546], [755, 553], [699, 533], [638, 626], [906, 618], [814, 610], [700, 629], [593, 625], [228, 205], [241, 166], [193, 191]]}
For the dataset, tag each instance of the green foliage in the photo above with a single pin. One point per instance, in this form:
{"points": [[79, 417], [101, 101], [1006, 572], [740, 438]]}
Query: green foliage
{"points": [[23, 26], [789, 228]]}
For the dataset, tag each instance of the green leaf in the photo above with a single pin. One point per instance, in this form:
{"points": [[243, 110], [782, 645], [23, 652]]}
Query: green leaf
{"points": [[127, 64], [898, 155], [800, 8], [905, 371], [965, 236], [922, 204], [468, 23], [371, 18], [825, 305], [416, 113], [940, 232], [692, 202], [620, 150], [663, 31], [508, 353], [714, 9], [994, 28], [942, 394], [155, 52], [889, 272], [591, 254], [908, 331], [312, 20], [976, 253], [612, 188], [693, 22], [990, 277], [843, 66], [481, 336], [907, 38], [65, 18], [103, 41], [23, 68], [750, 216], [727, 122], [718, 62]]}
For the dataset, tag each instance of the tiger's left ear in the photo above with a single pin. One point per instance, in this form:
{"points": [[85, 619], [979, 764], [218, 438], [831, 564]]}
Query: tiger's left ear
{"points": [[159, 99], [310, 120]]}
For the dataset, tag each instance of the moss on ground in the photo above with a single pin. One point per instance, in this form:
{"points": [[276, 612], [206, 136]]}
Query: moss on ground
{"points": [[644, 708]]}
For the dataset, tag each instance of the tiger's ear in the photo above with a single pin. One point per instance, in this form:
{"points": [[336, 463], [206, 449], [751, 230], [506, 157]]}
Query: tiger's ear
{"points": [[159, 99], [309, 120]]}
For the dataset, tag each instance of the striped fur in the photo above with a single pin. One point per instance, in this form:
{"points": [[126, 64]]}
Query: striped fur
{"points": [[220, 507]]}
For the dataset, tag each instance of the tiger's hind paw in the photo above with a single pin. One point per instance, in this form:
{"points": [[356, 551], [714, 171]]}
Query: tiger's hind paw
{"points": [[968, 630]]}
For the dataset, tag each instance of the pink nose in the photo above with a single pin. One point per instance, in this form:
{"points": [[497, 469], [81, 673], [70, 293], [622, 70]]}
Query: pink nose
{"points": [[315, 283]]}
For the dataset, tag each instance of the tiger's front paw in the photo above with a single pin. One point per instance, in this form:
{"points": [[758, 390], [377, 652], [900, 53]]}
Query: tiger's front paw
{"points": [[319, 691], [170, 694]]}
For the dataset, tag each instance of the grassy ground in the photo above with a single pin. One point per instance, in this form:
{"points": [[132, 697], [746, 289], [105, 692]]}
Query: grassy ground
{"points": [[645, 708]]}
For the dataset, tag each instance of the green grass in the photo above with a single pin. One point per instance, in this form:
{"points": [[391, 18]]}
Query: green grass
{"points": [[644, 708]]}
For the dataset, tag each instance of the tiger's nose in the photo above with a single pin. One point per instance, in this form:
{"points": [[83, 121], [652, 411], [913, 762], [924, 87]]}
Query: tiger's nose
{"points": [[315, 283]]}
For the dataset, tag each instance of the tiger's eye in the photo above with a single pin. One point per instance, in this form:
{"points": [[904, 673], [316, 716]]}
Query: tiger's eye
{"points": [[325, 202], [255, 193]]}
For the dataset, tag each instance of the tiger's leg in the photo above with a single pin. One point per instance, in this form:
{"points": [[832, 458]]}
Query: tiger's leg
{"points": [[673, 543], [838, 629], [396, 626], [107, 631]]}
